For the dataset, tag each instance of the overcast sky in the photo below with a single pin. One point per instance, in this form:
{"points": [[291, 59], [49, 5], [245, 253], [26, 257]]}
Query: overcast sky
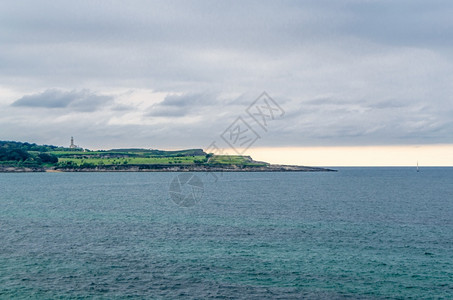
{"points": [[176, 74]]}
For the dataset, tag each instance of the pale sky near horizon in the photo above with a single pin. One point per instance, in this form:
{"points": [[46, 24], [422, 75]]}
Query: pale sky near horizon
{"points": [[378, 156], [360, 82]]}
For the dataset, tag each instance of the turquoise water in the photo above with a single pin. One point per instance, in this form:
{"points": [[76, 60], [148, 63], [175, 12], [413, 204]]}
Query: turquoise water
{"points": [[368, 233]]}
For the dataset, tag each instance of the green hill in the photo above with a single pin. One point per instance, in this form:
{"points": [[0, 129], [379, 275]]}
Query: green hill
{"points": [[18, 154]]}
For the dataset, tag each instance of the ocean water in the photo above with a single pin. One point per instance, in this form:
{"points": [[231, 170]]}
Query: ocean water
{"points": [[367, 233]]}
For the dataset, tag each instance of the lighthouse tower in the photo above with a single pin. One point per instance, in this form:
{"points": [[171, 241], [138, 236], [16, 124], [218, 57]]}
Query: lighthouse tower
{"points": [[72, 146]]}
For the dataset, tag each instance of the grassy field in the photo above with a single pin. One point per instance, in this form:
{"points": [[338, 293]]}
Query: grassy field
{"points": [[185, 160], [62, 153], [233, 160], [133, 152], [127, 153]]}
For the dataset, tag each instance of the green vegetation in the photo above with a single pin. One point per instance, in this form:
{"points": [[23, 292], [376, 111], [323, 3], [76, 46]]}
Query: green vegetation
{"points": [[26, 154], [98, 161], [27, 146], [19, 154], [237, 160]]}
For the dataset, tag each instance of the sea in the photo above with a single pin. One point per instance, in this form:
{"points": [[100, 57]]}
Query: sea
{"points": [[359, 233]]}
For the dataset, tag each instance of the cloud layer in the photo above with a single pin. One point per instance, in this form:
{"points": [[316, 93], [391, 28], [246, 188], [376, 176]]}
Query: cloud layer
{"points": [[83, 100], [176, 74]]}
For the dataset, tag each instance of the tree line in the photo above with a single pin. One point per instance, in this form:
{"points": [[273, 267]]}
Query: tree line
{"points": [[26, 153]]}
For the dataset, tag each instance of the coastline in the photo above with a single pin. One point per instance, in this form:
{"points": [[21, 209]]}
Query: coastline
{"points": [[9, 169], [166, 168], [19, 157]]}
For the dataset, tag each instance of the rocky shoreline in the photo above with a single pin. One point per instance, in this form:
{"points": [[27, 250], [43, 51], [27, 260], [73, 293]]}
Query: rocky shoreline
{"points": [[8, 169], [167, 168]]}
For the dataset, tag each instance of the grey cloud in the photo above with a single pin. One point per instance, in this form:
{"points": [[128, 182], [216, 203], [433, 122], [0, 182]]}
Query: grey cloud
{"points": [[49, 98], [84, 100], [328, 101], [166, 42], [181, 105], [208, 104], [322, 103], [388, 104], [121, 107], [190, 22], [188, 100], [160, 111], [409, 22], [345, 71]]}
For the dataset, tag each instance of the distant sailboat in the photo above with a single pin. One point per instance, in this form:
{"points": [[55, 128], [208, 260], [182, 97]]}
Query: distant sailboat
{"points": [[418, 170]]}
